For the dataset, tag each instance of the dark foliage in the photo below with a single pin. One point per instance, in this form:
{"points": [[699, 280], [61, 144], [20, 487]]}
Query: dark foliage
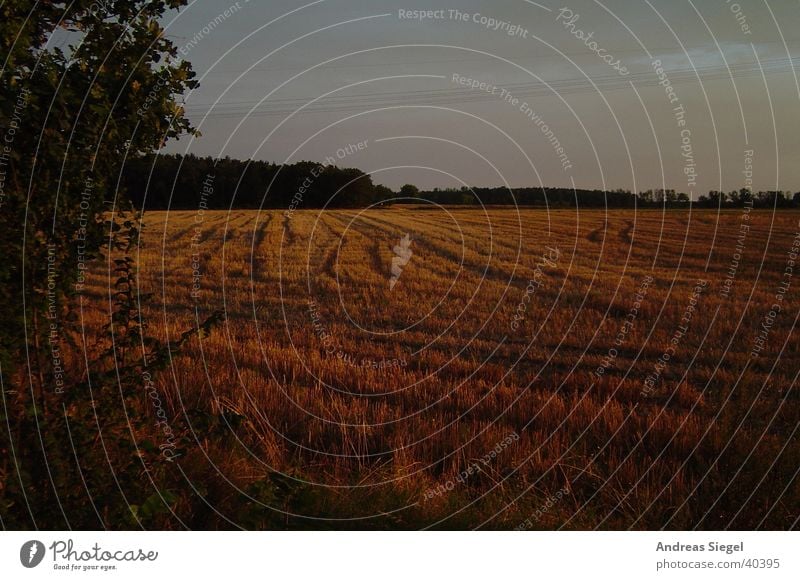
{"points": [[176, 182]]}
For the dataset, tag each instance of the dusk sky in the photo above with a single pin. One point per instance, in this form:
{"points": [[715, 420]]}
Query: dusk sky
{"points": [[570, 91]]}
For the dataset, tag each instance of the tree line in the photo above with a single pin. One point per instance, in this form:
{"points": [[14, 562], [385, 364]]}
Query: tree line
{"points": [[177, 182], [158, 182], [597, 198]]}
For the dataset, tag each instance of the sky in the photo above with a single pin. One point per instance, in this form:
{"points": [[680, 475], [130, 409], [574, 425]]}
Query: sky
{"points": [[691, 95]]}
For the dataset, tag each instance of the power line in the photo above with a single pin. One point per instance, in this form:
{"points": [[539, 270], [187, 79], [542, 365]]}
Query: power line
{"points": [[358, 102], [519, 59]]}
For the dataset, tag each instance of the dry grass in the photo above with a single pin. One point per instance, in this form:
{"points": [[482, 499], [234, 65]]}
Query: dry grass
{"points": [[713, 445]]}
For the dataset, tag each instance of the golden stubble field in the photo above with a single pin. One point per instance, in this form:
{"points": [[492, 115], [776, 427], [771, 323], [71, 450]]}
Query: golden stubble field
{"points": [[487, 368]]}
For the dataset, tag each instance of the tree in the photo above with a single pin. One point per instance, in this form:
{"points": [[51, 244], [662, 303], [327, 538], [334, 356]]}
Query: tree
{"points": [[717, 198], [771, 199], [383, 193], [745, 196], [77, 114], [344, 188], [646, 197], [409, 190], [69, 119]]}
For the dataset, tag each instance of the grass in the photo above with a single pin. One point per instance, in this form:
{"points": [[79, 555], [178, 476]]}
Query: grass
{"points": [[360, 399]]}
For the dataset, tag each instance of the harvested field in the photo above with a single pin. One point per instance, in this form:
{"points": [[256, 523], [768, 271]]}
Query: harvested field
{"points": [[399, 368]]}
